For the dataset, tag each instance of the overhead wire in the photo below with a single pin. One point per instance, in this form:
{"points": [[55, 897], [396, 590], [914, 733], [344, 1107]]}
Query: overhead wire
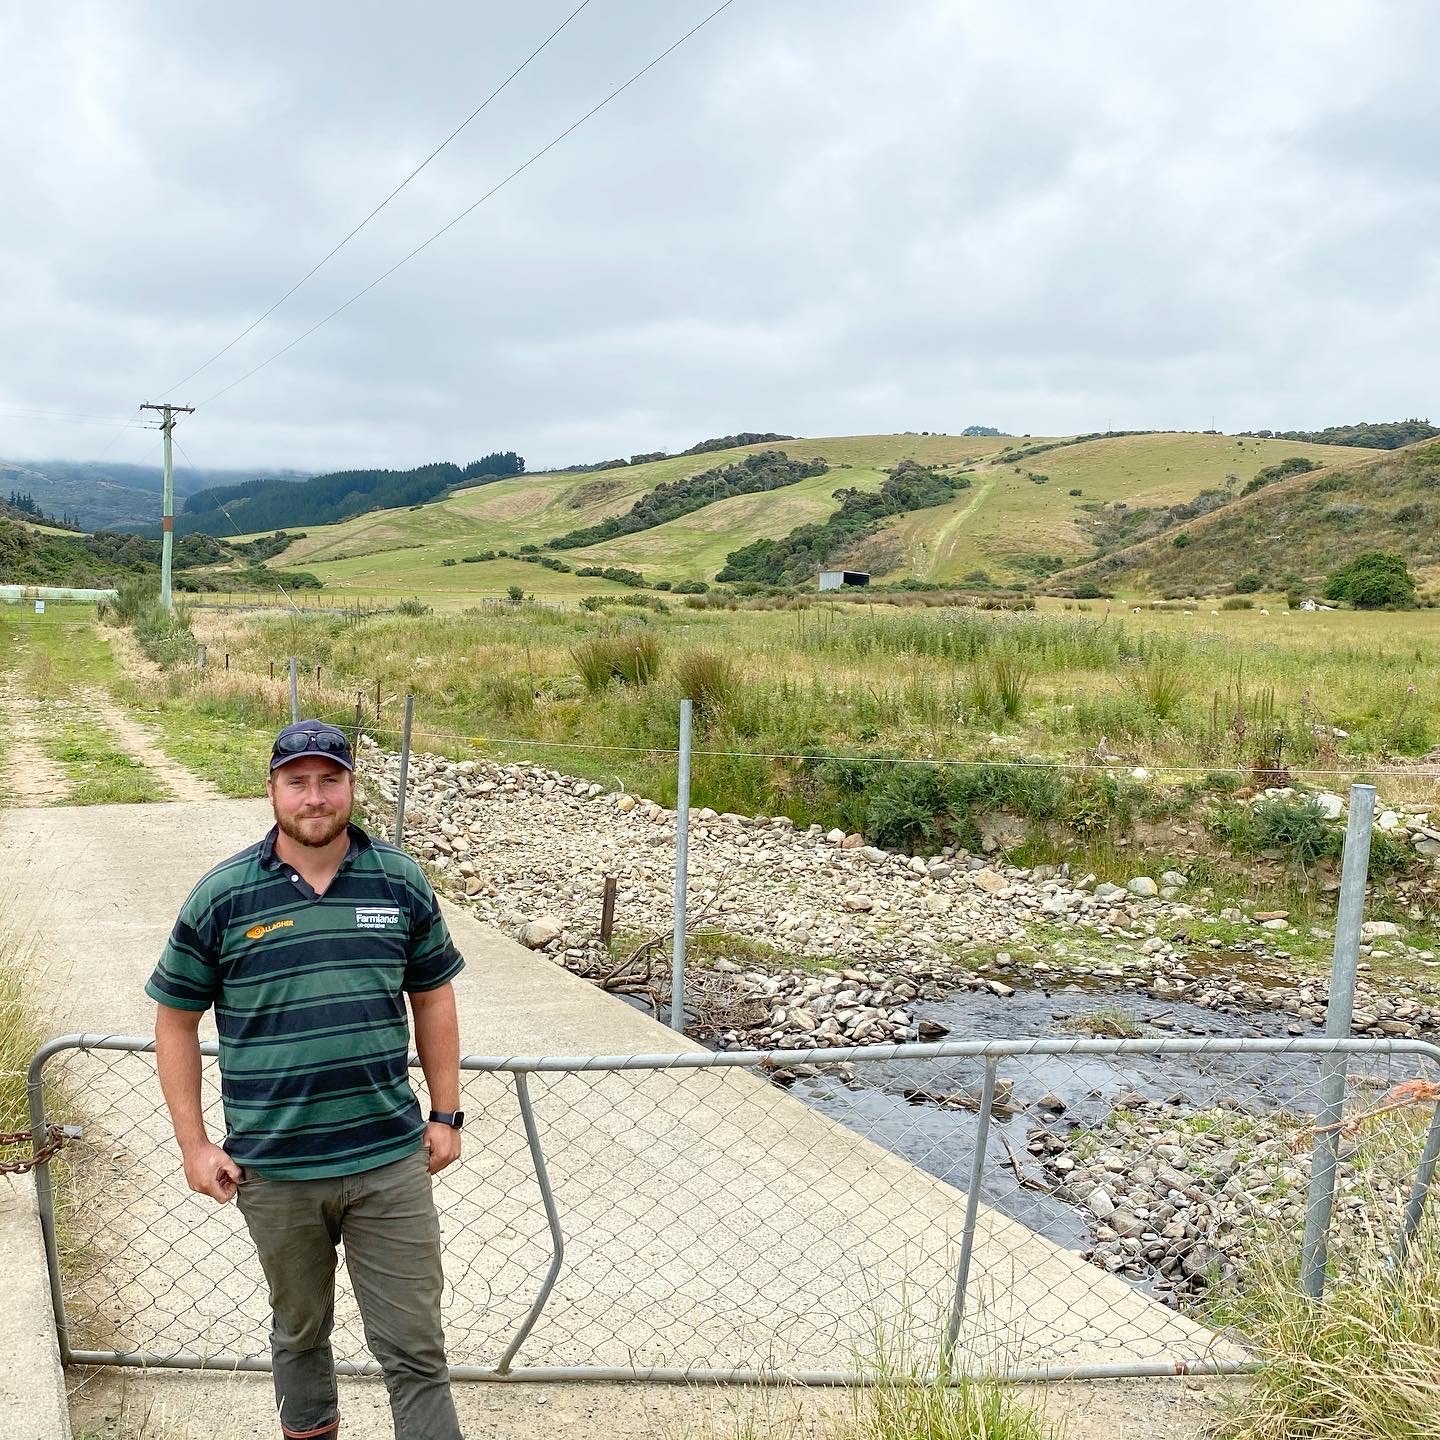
{"points": [[61, 417], [331, 254], [278, 585], [470, 209]]}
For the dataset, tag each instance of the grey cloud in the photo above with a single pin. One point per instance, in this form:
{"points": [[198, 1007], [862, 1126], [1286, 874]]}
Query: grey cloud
{"points": [[819, 217]]}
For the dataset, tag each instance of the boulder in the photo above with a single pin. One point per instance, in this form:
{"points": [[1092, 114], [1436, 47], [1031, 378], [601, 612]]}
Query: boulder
{"points": [[535, 934]]}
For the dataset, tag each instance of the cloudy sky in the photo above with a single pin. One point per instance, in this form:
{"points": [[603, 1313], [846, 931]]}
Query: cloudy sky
{"points": [[816, 216]]}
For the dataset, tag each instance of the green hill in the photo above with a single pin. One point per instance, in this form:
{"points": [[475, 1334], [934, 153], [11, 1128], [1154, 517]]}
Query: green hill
{"points": [[102, 495], [1292, 532], [1018, 519]]}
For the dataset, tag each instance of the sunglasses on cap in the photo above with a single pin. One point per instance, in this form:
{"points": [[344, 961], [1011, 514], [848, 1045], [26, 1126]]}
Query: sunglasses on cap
{"points": [[326, 742], [321, 740]]}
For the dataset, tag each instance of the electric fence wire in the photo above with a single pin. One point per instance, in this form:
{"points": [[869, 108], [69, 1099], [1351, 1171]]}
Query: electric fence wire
{"points": [[470, 209], [331, 254], [1154, 770]]}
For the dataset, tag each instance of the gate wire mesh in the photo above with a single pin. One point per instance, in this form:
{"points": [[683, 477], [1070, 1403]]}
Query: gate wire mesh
{"points": [[716, 1221]]}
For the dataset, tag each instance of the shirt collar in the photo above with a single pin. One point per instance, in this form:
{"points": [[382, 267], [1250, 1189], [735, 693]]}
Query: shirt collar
{"points": [[359, 842]]}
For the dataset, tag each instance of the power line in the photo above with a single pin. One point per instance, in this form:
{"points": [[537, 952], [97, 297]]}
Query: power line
{"points": [[196, 469], [329, 256], [469, 209], [60, 417]]}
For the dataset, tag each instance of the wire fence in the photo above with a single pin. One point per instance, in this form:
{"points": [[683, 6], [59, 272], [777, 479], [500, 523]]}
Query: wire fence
{"points": [[1035, 1208]]}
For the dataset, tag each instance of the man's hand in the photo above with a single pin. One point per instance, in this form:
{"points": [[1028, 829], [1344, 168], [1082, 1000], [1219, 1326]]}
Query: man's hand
{"points": [[443, 1143], [210, 1171]]}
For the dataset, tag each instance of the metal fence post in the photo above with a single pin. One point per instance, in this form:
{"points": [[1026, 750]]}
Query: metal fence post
{"points": [[45, 1199], [294, 689], [404, 770], [1419, 1191], [972, 1211], [1339, 1010], [682, 871]]}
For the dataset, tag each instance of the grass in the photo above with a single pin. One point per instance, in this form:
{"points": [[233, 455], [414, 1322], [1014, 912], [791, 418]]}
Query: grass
{"points": [[99, 773], [1105, 1023], [230, 753], [1018, 520], [20, 1033], [1364, 1364]]}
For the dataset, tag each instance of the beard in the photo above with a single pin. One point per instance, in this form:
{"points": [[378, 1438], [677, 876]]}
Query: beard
{"points": [[314, 831]]}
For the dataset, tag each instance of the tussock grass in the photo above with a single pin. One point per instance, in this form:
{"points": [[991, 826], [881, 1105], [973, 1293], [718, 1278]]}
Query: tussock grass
{"points": [[631, 657], [710, 679], [1364, 1364]]}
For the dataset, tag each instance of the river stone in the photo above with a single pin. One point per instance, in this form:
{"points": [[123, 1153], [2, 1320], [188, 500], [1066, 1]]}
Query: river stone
{"points": [[537, 933], [1143, 886], [625, 804], [1099, 1203], [991, 882], [1380, 930], [1106, 891]]}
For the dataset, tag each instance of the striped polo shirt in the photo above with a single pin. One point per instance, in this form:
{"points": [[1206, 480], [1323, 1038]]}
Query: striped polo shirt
{"points": [[309, 1002]]}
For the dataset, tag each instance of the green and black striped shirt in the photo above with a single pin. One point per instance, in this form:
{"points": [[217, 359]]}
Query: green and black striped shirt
{"points": [[309, 1002]]}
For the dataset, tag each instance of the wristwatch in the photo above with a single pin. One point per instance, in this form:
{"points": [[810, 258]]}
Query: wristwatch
{"points": [[455, 1119]]}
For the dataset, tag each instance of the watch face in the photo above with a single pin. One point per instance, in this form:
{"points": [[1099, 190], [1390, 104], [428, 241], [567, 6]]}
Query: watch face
{"points": [[459, 1119]]}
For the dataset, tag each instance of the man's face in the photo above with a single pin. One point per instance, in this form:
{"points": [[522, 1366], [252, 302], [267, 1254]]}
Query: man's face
{"points": [[312, 798]]}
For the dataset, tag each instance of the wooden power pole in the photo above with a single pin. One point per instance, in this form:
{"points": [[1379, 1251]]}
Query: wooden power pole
{"points": [[167, 521]]}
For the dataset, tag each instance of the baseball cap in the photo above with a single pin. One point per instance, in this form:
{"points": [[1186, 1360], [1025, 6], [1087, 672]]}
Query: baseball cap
{"points": [[311, 737]]}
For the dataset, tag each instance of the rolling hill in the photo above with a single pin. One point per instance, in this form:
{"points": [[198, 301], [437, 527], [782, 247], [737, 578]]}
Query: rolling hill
{"points": [[1019, 519], [1290, 533], [100, 495]]}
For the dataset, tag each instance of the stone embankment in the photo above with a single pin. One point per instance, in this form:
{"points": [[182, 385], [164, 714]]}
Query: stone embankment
{"points": [[837, 941], [820, 940]]}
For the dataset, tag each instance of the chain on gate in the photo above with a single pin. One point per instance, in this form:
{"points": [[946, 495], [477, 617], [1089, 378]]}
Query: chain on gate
{"points": [[55, 1138]]}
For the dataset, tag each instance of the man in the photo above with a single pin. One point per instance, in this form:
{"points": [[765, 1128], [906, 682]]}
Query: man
{"points": [[305, 944]]}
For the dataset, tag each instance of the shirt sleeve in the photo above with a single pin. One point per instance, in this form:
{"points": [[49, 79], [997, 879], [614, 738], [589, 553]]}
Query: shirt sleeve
{"points": [[188, 975], [432, 958]]}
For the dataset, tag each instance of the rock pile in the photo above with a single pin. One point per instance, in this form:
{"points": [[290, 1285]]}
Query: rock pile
{"points": [[1188, 1201], [875, 932]]}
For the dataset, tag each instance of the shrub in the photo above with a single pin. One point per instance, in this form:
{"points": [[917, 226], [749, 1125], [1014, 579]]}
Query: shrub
{"points": [[1373, 581], [1237, 602], [413, 607], [1182, 540], [476, 559], [514, 594], [709, 679], [690, 587], [450, 561], [1077, 492], [662, 585], [904, 811], [1249, 584]]}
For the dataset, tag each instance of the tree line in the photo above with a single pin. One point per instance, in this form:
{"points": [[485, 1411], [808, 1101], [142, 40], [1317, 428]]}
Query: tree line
{"points": [[798, 555], [765, 470], [326, 499]]}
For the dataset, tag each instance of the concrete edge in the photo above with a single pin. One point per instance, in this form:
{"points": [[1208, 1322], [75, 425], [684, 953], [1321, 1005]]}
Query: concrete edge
{"points": [[33, 1403]]}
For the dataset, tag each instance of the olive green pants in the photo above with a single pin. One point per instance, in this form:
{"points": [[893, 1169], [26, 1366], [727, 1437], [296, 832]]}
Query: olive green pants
{"points": [[386, 1219]]}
